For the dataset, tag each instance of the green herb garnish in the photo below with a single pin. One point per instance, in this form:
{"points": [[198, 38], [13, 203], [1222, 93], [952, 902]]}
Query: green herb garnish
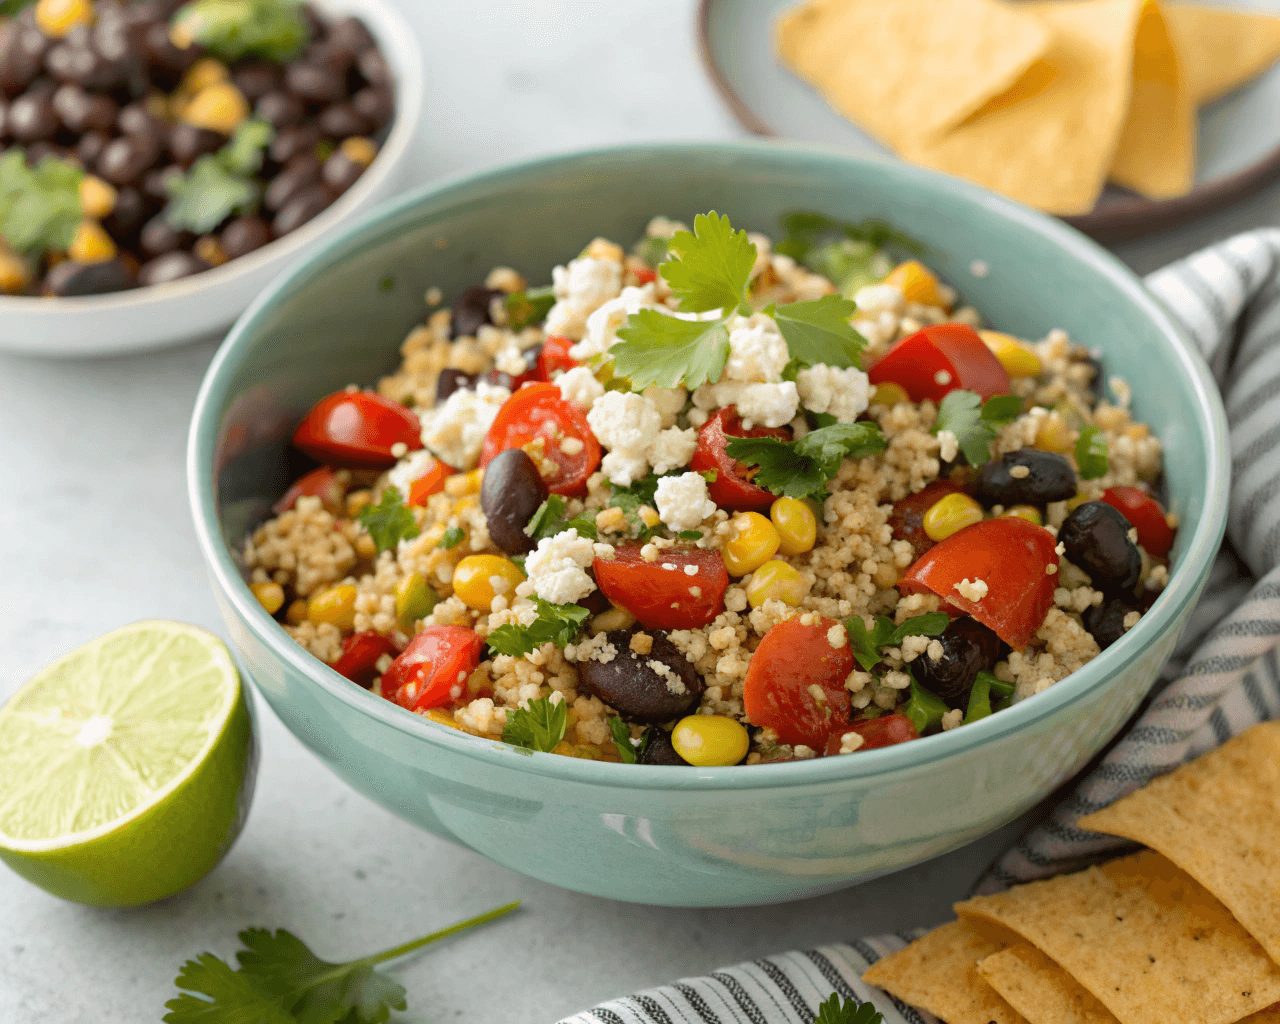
{"points": [[39, 206], [231, 29], [818, 331], [804, 230], [390, 521], [974, 422], [219, 184], [866, 645], [925, 709], [559, 623], [984, 684], [801, 469], [1091, 453], [622, 740], [550, 520], [529, 307], [851, 265], [452, 537], [651, 250], [847, 1011], [539, 727]]}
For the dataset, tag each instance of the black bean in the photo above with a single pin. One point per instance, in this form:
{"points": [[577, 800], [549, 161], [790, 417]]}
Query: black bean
{"points": [[187, 142], [968, 647], [71, 278], [316, 27], [22, 52], [315, 83], [376, 104], [68, 62], [630, 684], [279, 109], [1096, 538], [32, 118], [450, 380], [256, 78], [1106, 621], [90, 147], [660, 751], [374, 68], [127, 215], [349, 35], [340, 171], [1049, 478], [342, 120], [301, 172], [136, 119], [328, 55], [159, 237], [82, 111], [304, 205], [168, 62], [4, 112], [37, 151], [170, 267], [471, 311], [243, 235], [510, 493], [291, 141]]}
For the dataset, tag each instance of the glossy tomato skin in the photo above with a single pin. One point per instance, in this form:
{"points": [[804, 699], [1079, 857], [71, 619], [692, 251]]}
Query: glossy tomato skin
{"points": [[431, 482], [360, 654], [1010, 555], [320, 483], [907, 518], [537, 410], [357, 429], [662, 598], [939, 359], [646, 275], [731, 488], [884, 731], [428, 671], [1146, 516], [555, 357], [791, 658]]}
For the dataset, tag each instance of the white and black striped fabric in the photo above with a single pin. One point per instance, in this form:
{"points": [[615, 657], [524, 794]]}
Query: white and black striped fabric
{"points": [[1223, 677]]}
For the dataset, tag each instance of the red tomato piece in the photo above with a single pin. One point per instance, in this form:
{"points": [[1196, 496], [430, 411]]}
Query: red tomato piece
{"points": [[1146, 516], [907, 518], [429, 483], [661, 597], [645, 275], [555, 356], [1010, 555], [433, 669], [537, 410], [939, 359], [357, 428], [320, 483], [791, 658], [732, 487], [359, 658], [884, 731]]}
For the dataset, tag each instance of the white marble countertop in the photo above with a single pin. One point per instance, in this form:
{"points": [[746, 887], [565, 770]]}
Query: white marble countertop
{"points": [[96, 533]]}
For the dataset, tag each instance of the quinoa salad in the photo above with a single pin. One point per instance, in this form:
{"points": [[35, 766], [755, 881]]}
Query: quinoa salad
{"points": [[718, 500]]}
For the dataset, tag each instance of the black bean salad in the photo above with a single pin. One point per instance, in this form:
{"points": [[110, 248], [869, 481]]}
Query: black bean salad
{"points": [[148, 141]]}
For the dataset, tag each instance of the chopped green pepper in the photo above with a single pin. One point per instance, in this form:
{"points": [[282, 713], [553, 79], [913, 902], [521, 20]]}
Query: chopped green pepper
{"points": [[925, 709]]}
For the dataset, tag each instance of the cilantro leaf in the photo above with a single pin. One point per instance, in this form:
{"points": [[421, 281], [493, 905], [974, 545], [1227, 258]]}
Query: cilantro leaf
{"points": [[559, 623], [389, 521], [219, 184], [622, 740], [818, 331], [849, 265], [1091, 453], [805, 229], [975, 423], [630, 499], [711, 267], [529, 307], [39, 206], [227, 995], [847, 1011], [925, 708], [585, 527], [539, 727], [550, 519], [452, 537], [866, 644], [243, 153], [984, 684], [666, 351], [800, 469], [232, 29], [651, 250]]}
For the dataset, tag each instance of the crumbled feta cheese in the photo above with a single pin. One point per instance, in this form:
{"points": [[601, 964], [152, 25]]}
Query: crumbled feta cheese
{"points": [[879, 298], [772, 405], [455, 431], [510, 360], [682, 501], [668, 402], [580, 386], [557, 569], [953, 719], [850, 742], [629, 427], [972, 590], [757, 351], [844, 394], [402, 475], [580, 289], [600, 330], [668, 675], [672, 449]]}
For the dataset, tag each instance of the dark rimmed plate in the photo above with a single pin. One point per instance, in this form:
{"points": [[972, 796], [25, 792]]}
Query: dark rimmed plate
{"points": [[1239, 134]]}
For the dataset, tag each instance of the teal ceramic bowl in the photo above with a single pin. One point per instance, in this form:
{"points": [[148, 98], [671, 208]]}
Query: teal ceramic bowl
{"points": [[691, 836]]}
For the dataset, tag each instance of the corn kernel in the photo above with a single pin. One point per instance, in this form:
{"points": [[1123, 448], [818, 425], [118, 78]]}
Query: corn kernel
{"points": [[1054, 435], [365, 546], [296, 613], [15, 275], [796, 524], [614, 618], [474, 580], [1016, 358], [916, 282], [951, 515], [209, 249], [461, 484], [91, 244], [709, 740], [337, 606], [204, 72], [414, 600], [55, 18], [777, 581], [442, 717], [358, 501], [753, 542], [889, 394], [648, 516], [97, 198], [1028, 512], [603, 249], [219, 107], [269, 595], [359, 150]]}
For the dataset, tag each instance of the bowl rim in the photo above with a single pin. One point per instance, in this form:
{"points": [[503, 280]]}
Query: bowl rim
{"points": [[917, 755], [386, 22]]}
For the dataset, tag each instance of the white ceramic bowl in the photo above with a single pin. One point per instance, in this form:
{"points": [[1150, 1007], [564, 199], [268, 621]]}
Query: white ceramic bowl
{"points": [[205, 305]]}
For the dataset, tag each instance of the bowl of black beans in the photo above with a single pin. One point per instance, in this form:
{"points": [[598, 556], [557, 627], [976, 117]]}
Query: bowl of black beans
{"points": [[161, 160]]}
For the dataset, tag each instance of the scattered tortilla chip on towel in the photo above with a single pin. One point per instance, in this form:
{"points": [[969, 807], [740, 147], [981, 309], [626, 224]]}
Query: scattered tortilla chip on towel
{"points": [[938, 973], [900, 72], [1221, 49], [1218, 819], [1050, 141], [1144, 938]]}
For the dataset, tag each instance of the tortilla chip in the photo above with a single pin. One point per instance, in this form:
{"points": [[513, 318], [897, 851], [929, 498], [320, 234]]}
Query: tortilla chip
{"points": [[1156, 156], [1051, 139], [939, 973], [902, 74], [1144, 938], [1219, 49], [1218, 819]]}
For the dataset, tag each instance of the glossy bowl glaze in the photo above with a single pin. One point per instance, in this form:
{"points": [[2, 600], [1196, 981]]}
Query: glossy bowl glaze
{"points": [[693, 836]]}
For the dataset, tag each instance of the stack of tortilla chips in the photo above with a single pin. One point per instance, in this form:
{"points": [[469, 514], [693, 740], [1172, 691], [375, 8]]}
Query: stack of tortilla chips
{"points": [[1186, 932], [1044, 101]]}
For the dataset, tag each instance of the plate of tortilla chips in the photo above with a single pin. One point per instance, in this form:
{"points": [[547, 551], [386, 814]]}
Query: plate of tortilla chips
{"points": [[1121, 116]]}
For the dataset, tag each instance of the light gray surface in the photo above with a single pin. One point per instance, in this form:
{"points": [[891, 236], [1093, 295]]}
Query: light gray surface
{"points": [[96, 534]]}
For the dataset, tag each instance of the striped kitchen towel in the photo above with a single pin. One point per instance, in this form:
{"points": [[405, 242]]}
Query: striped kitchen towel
{"points": [[1223, 677]]}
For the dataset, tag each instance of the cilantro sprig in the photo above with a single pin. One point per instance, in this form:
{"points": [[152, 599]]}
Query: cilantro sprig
{"points": [[866, 644], [628, 751], [39, 206], [805, 229], [837, 1010], [220, 184], [974, 422], [550, 519], [281, 981], [389, 521], [925, 708], [1091, 453], [980, 706], [559, 623], [801, 469], [529, 307], [452, 537], [231, 29], [540, 726]]}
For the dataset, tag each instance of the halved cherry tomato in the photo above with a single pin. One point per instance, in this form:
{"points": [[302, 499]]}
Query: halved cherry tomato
{"points": [[1010, 555], [357, 428], [1145, 515], [939, 359], [791, 659], [884, 731], [537, 410], [320, 483], [555, 356], [359, 658], [433, 669], [646, 275], [732, 488], [661, 594], [429, 483], [907, 518]]}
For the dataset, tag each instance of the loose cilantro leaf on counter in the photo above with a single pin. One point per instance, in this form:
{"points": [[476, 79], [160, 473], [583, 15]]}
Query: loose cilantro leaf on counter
{"points": [[1091, 453], [550, 519], [925, 708], [847, 1011], [801, 469], [866, 645], [452, 537], [622, 740], [221, 183], [540, 727], [818, 331], [39, 206], [389, 521], [529, 307], [559, 623], [231, 29], [663, 350], [974, 422]]}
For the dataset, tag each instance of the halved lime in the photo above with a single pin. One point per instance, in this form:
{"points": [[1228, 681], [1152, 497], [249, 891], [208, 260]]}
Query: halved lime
{"points": [[128, 766]]}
